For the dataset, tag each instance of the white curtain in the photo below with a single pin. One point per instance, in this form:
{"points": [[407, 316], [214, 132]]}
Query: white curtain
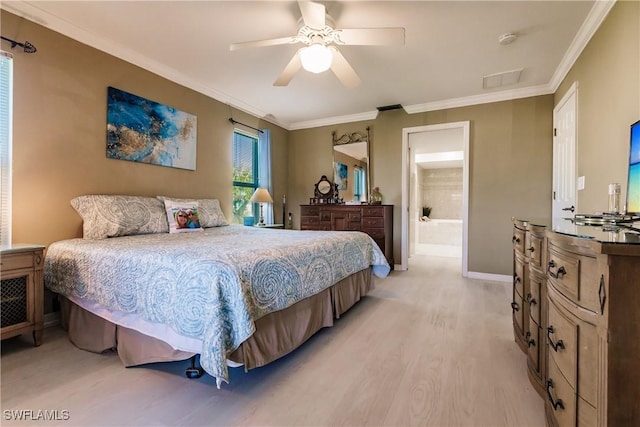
{"points": [[264, 171]]}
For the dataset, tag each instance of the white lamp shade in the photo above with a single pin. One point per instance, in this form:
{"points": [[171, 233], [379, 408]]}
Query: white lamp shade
{"points": [[316, 58], [261, 195]]}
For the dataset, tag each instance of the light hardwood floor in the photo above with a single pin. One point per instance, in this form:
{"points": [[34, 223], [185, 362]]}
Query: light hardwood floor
{"points": [[425, 348]]}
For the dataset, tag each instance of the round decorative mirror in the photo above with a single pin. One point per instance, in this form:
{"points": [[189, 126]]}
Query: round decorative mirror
{"points": [[325, 192], [324, 187]]}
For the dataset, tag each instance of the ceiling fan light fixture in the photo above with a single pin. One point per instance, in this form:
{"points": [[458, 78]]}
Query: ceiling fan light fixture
{"points": [[316, 58]]}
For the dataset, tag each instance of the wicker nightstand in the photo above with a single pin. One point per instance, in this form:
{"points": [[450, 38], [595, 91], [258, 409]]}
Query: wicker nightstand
{"points": [[22, 291]]}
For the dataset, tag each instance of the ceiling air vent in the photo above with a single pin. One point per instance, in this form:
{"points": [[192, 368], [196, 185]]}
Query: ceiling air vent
{"points": [[389, 107], [505, 78]]}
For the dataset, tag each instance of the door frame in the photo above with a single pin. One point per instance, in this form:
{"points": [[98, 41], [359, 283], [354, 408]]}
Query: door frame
{"points": [[406, 170], [568, 172]]}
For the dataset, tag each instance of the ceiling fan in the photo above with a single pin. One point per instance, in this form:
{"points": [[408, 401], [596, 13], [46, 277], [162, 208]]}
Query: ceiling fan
{"points": [[320, 39]]}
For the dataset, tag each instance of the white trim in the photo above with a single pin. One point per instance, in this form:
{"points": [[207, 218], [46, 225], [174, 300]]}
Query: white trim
{"points": [[506, 95], [597, 14], [370, 115], [591, 24], [404, 246], [489, 276]]}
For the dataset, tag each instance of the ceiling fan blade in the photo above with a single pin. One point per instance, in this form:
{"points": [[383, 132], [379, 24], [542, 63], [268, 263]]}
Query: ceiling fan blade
{"points": [[261, 43], [313, 14], [343, 70], [289, 71], [371, 36]]}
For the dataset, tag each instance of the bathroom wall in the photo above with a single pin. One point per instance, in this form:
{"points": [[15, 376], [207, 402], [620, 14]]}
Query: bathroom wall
{"points": [[441, 189]]}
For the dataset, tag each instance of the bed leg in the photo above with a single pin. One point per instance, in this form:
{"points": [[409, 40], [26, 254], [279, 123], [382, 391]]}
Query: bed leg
{"points": [[193, 371]]}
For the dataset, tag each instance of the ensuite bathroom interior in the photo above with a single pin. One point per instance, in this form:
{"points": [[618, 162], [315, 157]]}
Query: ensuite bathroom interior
{"points": [[439, 190]]}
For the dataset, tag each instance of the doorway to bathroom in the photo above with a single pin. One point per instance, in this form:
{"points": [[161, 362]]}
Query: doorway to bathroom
{"points": [[435, 192]]}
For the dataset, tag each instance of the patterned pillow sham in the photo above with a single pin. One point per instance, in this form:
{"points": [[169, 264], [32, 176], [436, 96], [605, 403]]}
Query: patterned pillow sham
{"points": [[115, 215], [182, 217], [208, 209]]}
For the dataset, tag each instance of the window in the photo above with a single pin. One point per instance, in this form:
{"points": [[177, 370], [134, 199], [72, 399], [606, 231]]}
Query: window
{"points": [[245, 175], [6, 107], [358, 183]]}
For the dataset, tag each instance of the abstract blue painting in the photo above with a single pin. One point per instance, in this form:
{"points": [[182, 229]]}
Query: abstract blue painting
{"points": [[145, 131], [340, 175]]}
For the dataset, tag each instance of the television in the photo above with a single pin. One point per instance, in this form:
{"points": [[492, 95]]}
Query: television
{"points": [[633, 181]]}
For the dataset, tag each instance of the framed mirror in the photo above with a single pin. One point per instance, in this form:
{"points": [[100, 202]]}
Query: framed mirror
{"points": [[351, 166], [325, 192]]}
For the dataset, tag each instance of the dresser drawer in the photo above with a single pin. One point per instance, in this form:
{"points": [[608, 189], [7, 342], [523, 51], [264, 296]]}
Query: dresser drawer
{"points": [[518, 275], [534, 346], [376, 233], [570, 409], [309, 210], [373, 211], [561, 397], [309, 220], [19, 261], [534, 250], [325, 216], [518, 240], [576, 277], [517, 309], [372, 222], [534, 298], [573, 346]]}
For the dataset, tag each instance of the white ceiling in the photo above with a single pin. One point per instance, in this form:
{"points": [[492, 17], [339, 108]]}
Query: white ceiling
{"points": [[449, 47]]}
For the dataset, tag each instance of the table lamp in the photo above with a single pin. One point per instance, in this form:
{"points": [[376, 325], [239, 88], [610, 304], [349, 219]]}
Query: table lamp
{"points": [[261, 195]]}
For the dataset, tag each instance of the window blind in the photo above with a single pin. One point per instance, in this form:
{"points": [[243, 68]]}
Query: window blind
{"points": [[6, 106]]}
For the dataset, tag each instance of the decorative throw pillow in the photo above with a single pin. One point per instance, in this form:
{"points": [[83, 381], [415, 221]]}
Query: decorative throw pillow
{"points": [[114, 215], [209, 210], [182, 217]]}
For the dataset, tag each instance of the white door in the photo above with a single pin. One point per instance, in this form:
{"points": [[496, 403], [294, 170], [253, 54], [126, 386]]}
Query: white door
{"points": [[564, 199]]}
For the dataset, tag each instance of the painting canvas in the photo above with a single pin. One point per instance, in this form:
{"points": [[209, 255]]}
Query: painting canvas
{"points": [[145, 131], [340, 175]]}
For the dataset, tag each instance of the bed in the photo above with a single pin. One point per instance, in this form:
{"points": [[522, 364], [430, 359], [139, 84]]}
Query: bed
{"points": [[232, 294]]}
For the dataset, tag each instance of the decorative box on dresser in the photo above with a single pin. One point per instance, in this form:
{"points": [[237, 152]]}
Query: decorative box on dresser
{"points": [[375, 220], [593, 331], [22, 291]]}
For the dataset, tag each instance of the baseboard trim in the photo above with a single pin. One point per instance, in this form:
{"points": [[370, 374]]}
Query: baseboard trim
{"points": [[491, 277]]}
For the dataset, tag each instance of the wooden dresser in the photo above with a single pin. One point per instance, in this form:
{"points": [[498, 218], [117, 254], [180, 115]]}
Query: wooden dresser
{"points": [[21, 281], [529, 297], [593, 331], [375, 220]]}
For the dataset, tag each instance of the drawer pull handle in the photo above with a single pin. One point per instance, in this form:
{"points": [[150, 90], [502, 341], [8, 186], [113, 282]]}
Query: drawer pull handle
{"points": [[532, 249], [516, 279], [557, 275], [530, 341], [515, 239], [532, 302], [555, 403], [515, 307], [556, 345]]}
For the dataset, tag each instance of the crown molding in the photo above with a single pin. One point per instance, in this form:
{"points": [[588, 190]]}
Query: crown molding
{"points": [[370, 115], [597, 14], [35, 14], [505, 95], [595, 18]]}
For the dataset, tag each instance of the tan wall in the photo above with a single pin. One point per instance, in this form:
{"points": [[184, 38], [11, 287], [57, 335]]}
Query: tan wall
{"points": [[510, 168], [59, 135], [60, 121], [608, 77]]}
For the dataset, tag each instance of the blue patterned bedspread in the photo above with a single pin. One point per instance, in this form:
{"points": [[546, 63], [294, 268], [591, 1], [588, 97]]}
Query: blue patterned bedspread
{"points": [[210, 285]]}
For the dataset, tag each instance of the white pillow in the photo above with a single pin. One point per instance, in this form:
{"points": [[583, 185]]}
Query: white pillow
{"points": [[209, 210], [182, 217]]}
